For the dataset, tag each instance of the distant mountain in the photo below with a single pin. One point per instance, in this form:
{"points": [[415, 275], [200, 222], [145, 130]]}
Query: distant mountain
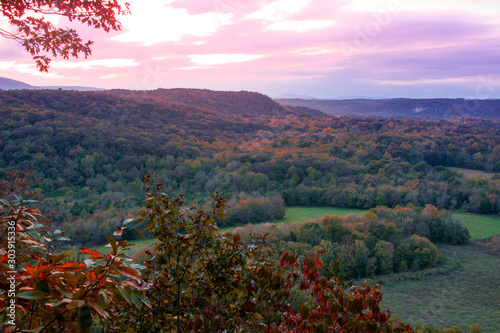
{"points": [[287, 96], [404, 108], [6, 84], [228, 102], [9, 84]]}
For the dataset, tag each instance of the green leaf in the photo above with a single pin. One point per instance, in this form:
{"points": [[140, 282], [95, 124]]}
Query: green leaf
{"points": [[43, 286], [36, 330], [127, 221], [32, 294], [113, 243], [3, 317], [63, 239], [144, 299], [139, 232], [57, 259], [129, 297], [84, 319], [63, 290]]}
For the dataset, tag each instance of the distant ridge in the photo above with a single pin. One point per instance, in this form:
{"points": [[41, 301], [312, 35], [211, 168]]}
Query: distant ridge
{"points": [[228, 102], [297, 96], [10, 84], [404, 108], [7, 84]]}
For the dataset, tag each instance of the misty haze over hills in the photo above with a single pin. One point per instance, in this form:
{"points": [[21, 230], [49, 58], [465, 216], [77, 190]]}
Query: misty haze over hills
{"points": [[403, 108], [8, 84], [400, 108]]}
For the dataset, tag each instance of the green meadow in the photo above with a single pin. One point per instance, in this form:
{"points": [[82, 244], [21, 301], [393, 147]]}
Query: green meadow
{"points": [[479, 226]]}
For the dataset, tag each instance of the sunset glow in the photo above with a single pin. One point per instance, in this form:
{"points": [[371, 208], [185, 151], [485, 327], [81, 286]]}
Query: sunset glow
{"points": [[324, 49]]}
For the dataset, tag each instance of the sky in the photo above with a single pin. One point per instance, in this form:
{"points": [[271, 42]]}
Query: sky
{"points": [[316, 48]]}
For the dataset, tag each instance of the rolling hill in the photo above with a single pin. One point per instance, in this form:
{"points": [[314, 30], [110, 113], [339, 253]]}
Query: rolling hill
{"points": [[403, 108], [10, 84]]}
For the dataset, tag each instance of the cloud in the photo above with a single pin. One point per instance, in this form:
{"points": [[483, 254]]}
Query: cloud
{"points": [[93, 64], [111, 76], [278, 10], [158, 22], [217, 59], [299, 26], [26, 68]]}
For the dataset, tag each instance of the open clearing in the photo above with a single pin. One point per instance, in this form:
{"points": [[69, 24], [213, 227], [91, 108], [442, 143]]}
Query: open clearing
{"points": [[472, 174], [463, 297], [480, 226]]}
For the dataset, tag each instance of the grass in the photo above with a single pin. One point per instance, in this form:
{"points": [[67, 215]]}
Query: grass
{"points": [[301, 214], [138, 243], [293, 214], [480, 226], [461, 298], [473, 174]]}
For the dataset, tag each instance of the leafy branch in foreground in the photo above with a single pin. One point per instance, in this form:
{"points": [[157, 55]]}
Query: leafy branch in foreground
{"points": [[42, 292]]}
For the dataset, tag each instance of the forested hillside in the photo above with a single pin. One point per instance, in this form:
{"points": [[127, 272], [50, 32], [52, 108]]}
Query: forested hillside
{"points": [[92, 149], [404, 108]]}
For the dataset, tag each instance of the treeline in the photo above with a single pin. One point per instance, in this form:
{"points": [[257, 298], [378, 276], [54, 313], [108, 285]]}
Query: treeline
{"points": [[381, 241], [254, 210], [91, 150]]}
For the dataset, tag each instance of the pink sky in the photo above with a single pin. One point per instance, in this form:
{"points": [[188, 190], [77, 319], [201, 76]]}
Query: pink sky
{"points": [[319, 48]]}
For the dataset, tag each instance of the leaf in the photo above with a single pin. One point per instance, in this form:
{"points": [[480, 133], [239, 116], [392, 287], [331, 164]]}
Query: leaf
{"points": [[89, 263], [3, 318], [101, 312], [142, 297], [140, 233], [76, 303], [84, 319], [63, 239], [43, 286], [93, 253], [36, 330], [32, 294], [112, 241], [119, 231], [129, 297], [128, 272], [71, 267], [127, 221], [57, 259]]}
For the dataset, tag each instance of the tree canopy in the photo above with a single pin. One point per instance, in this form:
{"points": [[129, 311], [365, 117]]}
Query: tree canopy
{"points": [[32, 28]]}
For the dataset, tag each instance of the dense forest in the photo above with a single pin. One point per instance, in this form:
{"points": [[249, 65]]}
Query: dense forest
{"points": [[92, 149]]}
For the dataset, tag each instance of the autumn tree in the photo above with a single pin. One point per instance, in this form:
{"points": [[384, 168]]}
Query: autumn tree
{"points": [[32, 28], [206, 281]]}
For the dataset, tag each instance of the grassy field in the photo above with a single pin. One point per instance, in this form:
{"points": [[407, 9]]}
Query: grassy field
{"points": [[293, 214], [137, 244], [467, 296], [470, 173], [301, 214], [480, 226]]}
